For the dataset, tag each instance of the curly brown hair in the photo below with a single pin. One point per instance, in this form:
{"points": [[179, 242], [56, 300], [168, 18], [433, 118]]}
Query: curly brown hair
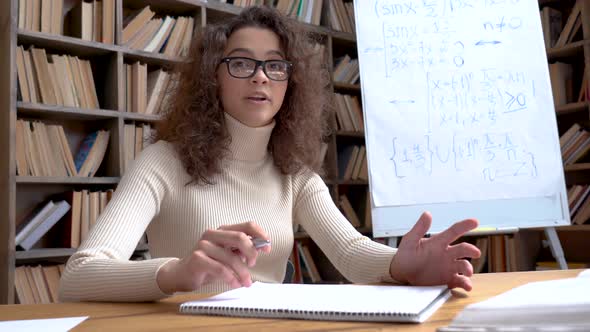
{"points": [[194, 122]]}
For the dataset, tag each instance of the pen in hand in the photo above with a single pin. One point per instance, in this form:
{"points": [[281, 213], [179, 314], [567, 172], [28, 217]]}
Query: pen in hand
{"points": [[257, 242]]}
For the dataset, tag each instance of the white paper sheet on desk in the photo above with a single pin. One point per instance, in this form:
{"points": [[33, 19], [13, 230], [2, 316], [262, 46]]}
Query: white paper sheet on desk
{"points": [[325, 302], [545, 305], [45, 325], [585, 273]]}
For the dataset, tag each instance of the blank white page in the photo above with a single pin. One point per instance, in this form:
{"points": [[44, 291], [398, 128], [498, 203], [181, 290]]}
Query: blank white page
{"points": [[309, 298]]}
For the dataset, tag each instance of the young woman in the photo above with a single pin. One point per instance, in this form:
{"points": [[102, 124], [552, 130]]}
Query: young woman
{"points": [[237, 158]]}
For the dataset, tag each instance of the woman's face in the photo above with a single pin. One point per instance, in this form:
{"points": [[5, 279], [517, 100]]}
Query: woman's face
{"points": [[254, 100]]}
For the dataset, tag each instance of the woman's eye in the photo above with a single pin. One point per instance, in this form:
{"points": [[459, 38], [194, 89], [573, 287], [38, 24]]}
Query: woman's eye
{"points": [[275, 66], [239, 64]]}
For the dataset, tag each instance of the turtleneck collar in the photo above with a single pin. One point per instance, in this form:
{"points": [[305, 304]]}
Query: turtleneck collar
{"points": [[248, 143]]}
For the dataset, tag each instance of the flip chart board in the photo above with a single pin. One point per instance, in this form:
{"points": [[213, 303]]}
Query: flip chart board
{"points": [[459, 114]]}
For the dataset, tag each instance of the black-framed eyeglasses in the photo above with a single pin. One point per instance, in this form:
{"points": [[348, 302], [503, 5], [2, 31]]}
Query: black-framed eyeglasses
{"points": [[242, 67]]}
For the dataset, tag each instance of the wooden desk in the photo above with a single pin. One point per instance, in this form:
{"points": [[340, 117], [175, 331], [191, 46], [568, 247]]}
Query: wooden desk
{"points": [[164, 316]]}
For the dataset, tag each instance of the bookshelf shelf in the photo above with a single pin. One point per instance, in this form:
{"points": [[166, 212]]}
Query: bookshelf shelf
{"points": [[347, 88], [222, 7], [549, 2], [46, 253], [166, 5], [81, 47], [65, 44], [577, 173], [63, 112], [340, 36], [151, 58], [344, 133], [65, 180], [141, 117], [570, 50], [353, 182], [577, 167], [572, 108], [574, 228], [33, 255]]}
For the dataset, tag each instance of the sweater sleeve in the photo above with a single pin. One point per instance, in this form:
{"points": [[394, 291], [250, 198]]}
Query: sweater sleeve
{"points": [[101, 270], [357, 257]]}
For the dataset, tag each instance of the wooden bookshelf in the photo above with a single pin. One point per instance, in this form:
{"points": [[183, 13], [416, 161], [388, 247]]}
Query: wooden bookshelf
{"points": [[570, 50], [572, 108], [344, 133], [577, 54], [35, 255], [108, 60], [65, 180], [44, 111], [345, 87]]}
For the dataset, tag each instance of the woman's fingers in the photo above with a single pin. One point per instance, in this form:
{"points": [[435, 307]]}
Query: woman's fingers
{"points": [[463, 250], [460, 281], [212, 270], [456, 230], [227, 259], [250, 228], [418, 230], [464, 267], [233, 240]]}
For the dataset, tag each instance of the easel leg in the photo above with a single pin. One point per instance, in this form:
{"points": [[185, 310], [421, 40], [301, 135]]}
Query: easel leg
{"points": [[555, 247], [392, 241]]}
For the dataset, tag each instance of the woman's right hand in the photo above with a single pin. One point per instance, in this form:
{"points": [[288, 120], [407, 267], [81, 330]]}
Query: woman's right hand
{"points": [[224, 254]]}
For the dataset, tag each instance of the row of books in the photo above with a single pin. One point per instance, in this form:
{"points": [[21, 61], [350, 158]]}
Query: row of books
{"points": [[346, 70], [574, 144], [584, 94], [86, 208], [41, 15], [349, 115], [43, 150], [168, 35], [37, 284], [562, 83], [308, 11], [93, 20], [39, 82], [353, 216], [137, 138], [145, 92], [305, 269], [30, 230], [557, 34], [352, 163], [67, 216], [578, 202], [499, 253], [341, 15]]}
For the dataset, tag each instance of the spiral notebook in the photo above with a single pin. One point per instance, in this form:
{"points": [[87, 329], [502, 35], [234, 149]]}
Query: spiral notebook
{"points": [[413, 304]]}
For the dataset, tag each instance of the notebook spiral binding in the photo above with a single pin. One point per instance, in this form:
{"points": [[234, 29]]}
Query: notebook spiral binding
{"points": [[289, 313]]}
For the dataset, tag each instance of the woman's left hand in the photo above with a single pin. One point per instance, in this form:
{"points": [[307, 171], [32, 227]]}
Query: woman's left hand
{"points": [[434, 261]]}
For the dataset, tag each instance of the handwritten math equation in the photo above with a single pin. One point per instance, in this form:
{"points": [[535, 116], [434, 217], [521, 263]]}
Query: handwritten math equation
{"points": [[474, 99], [503, 156], [469, 91]]}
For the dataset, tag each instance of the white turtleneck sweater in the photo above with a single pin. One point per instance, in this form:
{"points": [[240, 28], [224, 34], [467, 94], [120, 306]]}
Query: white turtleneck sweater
{"points": [[153, 197]]}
